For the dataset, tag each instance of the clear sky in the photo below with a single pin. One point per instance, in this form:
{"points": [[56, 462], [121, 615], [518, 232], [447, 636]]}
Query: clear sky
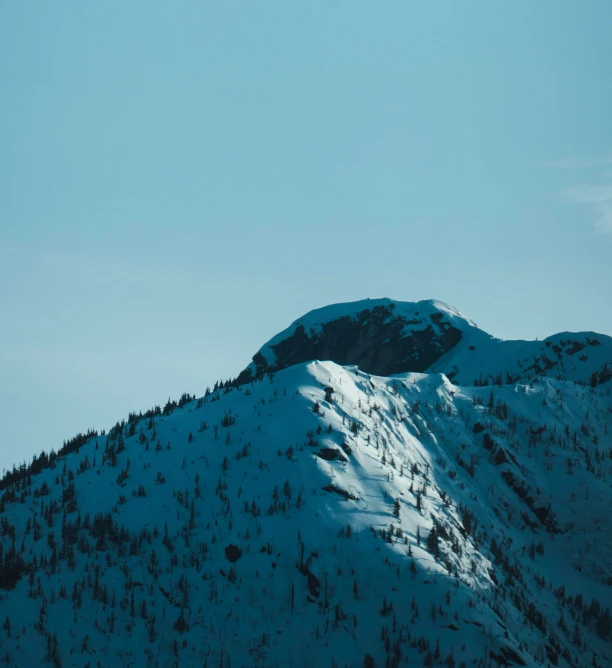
{"points": [[181, 180]]}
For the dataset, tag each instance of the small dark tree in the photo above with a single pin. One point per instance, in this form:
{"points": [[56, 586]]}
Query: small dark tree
{"points": [[396, 509], [433, 544], [181, 624]]}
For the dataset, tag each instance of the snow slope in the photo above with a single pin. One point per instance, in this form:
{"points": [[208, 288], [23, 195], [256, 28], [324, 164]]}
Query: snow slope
{"points": [[320, 516], [584, 357]]}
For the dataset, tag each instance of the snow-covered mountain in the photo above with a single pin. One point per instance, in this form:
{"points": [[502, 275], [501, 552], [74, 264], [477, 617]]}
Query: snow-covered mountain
{"points": [[316, 513]]}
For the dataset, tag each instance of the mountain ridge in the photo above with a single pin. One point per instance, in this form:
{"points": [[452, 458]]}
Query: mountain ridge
{"points": [[384, 336]]}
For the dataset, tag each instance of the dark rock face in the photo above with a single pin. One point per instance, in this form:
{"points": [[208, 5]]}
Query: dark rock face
{"points": [[341, 492], [377, 340], [331, 454]]}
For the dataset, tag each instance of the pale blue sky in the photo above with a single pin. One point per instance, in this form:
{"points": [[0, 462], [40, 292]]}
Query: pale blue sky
{"points": [[181, 180]]}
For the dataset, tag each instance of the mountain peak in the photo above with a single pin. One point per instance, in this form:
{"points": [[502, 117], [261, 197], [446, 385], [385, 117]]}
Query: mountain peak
{"points": [[381, 336], [386, 337]]}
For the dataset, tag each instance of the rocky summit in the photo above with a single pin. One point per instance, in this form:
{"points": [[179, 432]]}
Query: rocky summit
{"points": [[386, 337]]}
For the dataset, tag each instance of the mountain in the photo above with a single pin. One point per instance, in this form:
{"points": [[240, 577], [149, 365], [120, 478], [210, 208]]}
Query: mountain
{"points": [[316, 513]]}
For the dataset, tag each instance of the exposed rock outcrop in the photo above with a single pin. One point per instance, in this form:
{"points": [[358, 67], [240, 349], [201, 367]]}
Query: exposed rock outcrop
{"points": [[385, 337], [382, 338]]}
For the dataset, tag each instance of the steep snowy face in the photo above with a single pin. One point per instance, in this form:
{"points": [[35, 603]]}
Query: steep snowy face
{"points": [[380, 336]]}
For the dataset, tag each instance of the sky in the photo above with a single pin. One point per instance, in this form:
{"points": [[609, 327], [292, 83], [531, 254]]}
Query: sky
{"points": [[180, 181]]}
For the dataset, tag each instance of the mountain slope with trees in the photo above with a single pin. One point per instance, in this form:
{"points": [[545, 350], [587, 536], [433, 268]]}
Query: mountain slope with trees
{"points": [[319, 515]]}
